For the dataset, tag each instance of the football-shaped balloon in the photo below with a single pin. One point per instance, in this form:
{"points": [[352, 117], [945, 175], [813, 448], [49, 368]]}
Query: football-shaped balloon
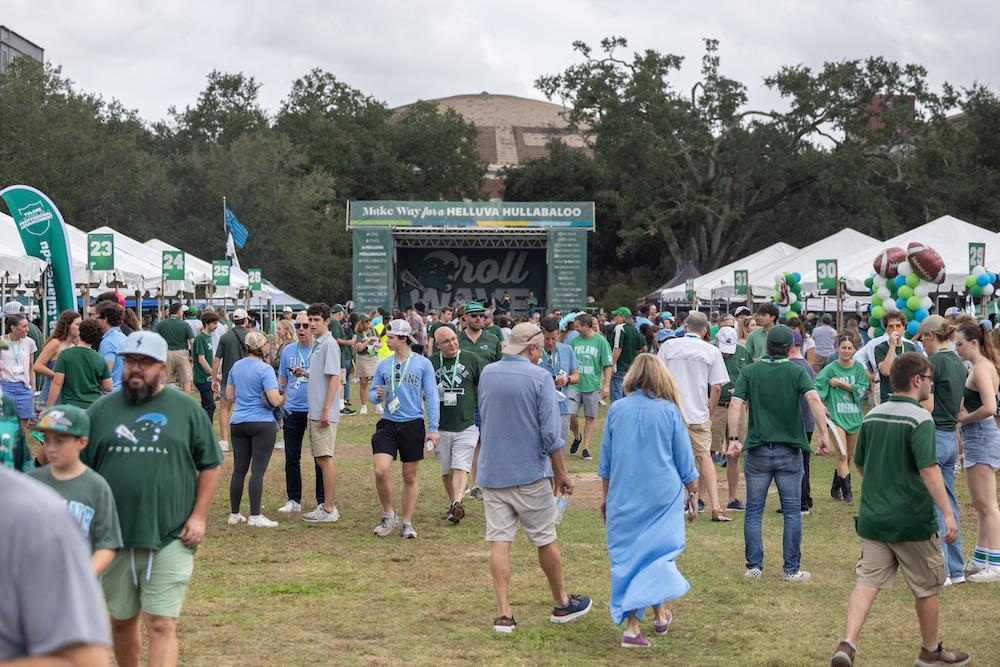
{"points": [[887, 262], [926, 262]]}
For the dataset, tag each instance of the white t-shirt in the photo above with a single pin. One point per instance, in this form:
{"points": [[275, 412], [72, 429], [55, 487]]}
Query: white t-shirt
{"points": [[807, 345], [694, 365], [15, 362]]}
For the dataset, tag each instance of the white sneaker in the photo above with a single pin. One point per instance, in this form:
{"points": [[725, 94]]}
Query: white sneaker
{"points": [[320, 515], [279, 444], [386, 525], [261, 521], [290, 506], [224, 445], [797, 577], [364, 409], [236, 518], [753, 573], [972, 567], [990, 574]]}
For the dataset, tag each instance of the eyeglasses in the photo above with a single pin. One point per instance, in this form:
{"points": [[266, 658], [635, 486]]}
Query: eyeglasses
{"points": [[299, 325], [928, 377], [141, 362]]}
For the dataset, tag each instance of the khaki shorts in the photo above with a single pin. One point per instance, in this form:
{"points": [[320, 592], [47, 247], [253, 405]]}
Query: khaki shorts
{"points": [[179, 366], [455, 449], [322, 439], [922, 565], [720, 428], [531, 504], [701, 438], [128, 590]]}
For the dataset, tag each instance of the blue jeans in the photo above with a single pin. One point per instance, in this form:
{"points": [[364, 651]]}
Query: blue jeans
{"points": [[616, 386], [783, 464], [347, 381], [296, 425], [947, 456]]}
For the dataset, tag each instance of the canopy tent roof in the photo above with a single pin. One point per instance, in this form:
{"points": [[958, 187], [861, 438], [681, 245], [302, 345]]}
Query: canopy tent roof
{"points": [[948, 235], [16, 269], [135, 249], [719, 283], [838, 246]]}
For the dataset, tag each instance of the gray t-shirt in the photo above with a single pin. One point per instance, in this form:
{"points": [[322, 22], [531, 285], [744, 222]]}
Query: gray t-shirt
{"points": [[823, 336], [325, 362], [51, 598]]}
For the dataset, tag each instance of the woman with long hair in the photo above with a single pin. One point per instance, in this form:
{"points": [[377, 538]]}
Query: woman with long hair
{"points": [[650, 483], [851, 329], [284, 336], [66, 334], [842, 386], [808, 344], [747, 326], [366, 343], [253, 388], [981, 439]]}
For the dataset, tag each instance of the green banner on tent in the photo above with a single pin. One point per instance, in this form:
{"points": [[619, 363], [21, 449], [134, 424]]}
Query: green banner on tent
{"points": [[566, 255], [220, 273], [826, 275], [101, 252], [741, 279], [43, 234], [689, 289], [254, 278], [173, 265], [977, 255]]}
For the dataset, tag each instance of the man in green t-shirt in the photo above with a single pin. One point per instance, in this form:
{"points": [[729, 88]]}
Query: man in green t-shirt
{"points": [[771, 388], [178, 335], [595, 364], [736, 357], [767, 316], [886, 352], [443, 319], [88, 496], [490, 326], [475, 338], [155, 448], [627, 345], [457, 374], [204, 357], [901, 484], [231, 348], [81, 373]]}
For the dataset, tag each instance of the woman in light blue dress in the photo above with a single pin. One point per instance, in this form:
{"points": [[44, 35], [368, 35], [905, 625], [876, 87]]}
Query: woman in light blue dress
{"points": [[650, 483]]}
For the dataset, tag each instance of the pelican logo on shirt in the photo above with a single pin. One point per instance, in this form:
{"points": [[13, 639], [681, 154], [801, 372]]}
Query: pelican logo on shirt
{"points": [[142, 436]]}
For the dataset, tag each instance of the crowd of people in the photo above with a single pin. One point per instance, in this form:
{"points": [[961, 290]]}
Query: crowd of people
{"points": [[497, 398]]}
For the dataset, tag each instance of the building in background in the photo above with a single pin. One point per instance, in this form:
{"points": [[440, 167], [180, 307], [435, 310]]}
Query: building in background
{"points": [[12, 45]]}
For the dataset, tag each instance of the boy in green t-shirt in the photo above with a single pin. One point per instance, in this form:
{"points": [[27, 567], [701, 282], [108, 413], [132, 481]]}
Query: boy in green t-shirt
{"points": [[595, 365], [204, 356], [89, 498]]}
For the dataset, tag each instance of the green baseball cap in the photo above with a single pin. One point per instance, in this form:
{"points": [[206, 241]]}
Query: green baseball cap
{"points": [[780, 335], [192, 310], [623, 311], [473, 307], [67, 419], [337, 309]]}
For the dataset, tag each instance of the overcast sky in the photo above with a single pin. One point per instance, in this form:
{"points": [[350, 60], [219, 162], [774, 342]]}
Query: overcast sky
{"points": [[151, 54]]}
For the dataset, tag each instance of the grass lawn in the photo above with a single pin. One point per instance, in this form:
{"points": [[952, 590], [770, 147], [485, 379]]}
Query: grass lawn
{"points": [[335, 594]]}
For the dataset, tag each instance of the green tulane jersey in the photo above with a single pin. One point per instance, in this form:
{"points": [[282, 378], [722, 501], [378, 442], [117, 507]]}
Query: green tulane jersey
{"points": [[844, 406], [459, 376], [593, 355], [151, 454], [90, 503]]}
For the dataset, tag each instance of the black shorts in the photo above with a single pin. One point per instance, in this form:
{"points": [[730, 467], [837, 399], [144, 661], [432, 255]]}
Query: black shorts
{"points": [[406, 438]]}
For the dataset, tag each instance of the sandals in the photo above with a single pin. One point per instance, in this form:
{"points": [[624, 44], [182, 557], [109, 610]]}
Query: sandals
{"points": [[720, 516]]}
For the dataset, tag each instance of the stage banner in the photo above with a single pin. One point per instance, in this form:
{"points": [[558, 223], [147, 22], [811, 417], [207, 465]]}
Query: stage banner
{"points": [[566, 256], [487, 214], [43, 234], [372, 268], [441, 277]]}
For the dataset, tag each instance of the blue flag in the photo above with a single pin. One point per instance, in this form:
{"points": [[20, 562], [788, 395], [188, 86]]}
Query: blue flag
{"points": [[239, 232]]}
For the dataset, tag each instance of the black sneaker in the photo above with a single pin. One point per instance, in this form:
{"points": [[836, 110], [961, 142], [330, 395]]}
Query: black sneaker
{"points": [[586, 455], [347, 412], [576, 445], [701, 506]]}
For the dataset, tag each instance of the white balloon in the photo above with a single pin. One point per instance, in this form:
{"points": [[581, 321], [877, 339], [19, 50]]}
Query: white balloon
{"points": [[978, 271], [904, 269], [784, 309], [922, 290], [988, 290], [878, 281], [792, 298], [778, 278], [927, 303], [884, 293], [889, 305]]}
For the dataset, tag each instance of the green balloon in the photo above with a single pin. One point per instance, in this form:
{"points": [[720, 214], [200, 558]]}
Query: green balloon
{"points": [[912, 280], [905, 292], [790, 279], [876, 300], [875, 321], [977, 291], [914, 303], [878, 312], [907, 313], [797, 307], [875, 332], [970, 281], [868, 282]]}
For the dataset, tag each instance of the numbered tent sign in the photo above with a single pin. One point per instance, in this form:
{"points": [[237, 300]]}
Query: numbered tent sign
{"points": [[826, 275], [220, 273], [101, 252], [977, 255], [741, 279], [173, 265], [689, 288], [254, 278]]}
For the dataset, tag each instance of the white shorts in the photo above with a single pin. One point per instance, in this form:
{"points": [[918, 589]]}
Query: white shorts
{"points": [[456, 448]]}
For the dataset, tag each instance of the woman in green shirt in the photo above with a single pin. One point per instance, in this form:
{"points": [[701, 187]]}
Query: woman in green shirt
{"points": [[842, 386]]}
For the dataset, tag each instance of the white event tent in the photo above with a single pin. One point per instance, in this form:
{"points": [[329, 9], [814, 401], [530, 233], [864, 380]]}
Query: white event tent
{"points": [[129, 247], [838, 246], [718, 284]]}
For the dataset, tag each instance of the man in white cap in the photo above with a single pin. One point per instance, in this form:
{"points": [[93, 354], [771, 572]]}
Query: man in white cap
{"points": [[230, 349], [402, 382], [155, 448], [521, 470], [287, 313]]}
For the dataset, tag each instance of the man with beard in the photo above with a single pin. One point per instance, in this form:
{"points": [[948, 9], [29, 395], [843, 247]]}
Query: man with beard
{"points": [[475, 337], [155, 448]]}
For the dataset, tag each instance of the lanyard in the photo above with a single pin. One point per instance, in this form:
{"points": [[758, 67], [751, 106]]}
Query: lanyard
{"points": [[298, 353], [454, 369], [552, 359], [772, 360], [400, 373]]}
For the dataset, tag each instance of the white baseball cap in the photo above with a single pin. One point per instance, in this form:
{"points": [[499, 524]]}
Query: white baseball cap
{"points": [[13, 308], [286, 309], [147, 344], [401, 328], [240, 314], [726, 339]]}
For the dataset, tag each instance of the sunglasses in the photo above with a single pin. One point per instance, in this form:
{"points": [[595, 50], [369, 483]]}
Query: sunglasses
{"points": [[299, 325], [475, 315]]}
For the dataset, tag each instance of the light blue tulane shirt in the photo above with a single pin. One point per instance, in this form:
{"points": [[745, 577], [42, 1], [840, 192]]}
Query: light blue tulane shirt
{"points": [[521, 426], [561, 359], [296, 388], [111, 342], [410, 382], [252, 377]]}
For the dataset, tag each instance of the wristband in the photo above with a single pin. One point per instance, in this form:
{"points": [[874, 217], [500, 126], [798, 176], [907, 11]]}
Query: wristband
{"points": [[734, 438]]}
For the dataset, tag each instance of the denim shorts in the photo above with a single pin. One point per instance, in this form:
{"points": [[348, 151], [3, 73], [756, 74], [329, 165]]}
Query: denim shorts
{"points": [[982, 443], [22, 396]]}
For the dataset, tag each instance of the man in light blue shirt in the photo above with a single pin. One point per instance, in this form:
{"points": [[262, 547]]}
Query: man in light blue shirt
{"points": [[109, 316], [521, 469], [403, 381], [560, 361]]}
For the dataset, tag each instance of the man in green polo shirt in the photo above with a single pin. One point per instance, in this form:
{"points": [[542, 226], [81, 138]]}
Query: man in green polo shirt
{"points": [[777, 434], [901, 483], [886, 352], [627, 345], [475, 338], [178, 335], [767, 317]]}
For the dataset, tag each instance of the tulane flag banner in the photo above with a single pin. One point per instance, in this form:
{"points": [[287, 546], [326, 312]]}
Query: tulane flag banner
{"points": [[236, 228], [43, 234]]}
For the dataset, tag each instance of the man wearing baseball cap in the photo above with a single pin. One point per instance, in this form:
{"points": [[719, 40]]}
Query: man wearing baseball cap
{"points": [[155, 448], [627, 344], [402, 381], [230, 349], [474, 336], [521, 470]]}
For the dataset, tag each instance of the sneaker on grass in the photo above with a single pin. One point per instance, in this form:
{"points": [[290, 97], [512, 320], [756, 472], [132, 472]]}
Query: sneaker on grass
{"points": [[320, 515], [736, 506], [991, 574], [407, 532], [941, 656], [224, 445], [456, 513], [577, 607], [576, 445], [504, 624], [386, 525], [797, 577], [364, 409], [290, 506], [586, 455], [844, 657], [261, 521], [279, 444], [634, 641], [476, 493], [753, 573], [236, 519], [660, 627]]}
